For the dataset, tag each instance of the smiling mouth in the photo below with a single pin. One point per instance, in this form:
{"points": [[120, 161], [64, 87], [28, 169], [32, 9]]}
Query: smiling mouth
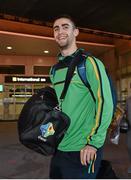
{"points": [[62, 38]]}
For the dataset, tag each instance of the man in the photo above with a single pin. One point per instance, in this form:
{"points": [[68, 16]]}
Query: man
{"points": [[80, 152], [128, 114]]}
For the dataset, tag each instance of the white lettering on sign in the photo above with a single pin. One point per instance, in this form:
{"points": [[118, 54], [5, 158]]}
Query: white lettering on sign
{"points": [[30, 79]]}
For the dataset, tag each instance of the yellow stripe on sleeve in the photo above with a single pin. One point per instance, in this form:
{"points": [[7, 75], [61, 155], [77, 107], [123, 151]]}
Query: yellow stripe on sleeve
{"points": [[99, 97]]}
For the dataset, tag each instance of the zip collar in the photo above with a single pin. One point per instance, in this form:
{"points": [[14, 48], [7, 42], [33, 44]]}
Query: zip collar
{"points": [[62, 58]]}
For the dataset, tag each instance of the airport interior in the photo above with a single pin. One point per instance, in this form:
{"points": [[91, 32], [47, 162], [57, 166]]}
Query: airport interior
{"points": [[27, 52]]}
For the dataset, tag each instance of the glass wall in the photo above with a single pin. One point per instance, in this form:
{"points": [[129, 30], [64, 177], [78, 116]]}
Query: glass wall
{"points": [[13, 98]]}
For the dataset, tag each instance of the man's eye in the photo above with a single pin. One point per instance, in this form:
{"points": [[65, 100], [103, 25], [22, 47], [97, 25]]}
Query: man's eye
{"points": [[66, 27], [55, 29]]}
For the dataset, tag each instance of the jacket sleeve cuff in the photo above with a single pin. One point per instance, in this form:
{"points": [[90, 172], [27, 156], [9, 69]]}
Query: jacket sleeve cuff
{"points": [[92, 146]]}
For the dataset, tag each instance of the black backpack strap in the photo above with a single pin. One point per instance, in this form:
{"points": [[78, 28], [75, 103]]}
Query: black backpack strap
{"points": [[81, 68], [53, 70]]}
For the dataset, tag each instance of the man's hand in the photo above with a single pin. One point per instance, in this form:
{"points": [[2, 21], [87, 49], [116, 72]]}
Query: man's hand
{"points": [[87, 154]]}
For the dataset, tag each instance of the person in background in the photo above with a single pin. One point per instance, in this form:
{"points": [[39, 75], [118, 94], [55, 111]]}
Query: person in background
{"points": [[128, 115], [79, 153]]}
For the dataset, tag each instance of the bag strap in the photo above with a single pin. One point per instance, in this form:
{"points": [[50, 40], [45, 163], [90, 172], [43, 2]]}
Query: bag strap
{"points": [[82, 73], [69, 75]]}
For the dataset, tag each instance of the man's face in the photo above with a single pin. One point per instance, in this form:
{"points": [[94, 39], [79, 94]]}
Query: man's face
{"points": [[64, 32]]}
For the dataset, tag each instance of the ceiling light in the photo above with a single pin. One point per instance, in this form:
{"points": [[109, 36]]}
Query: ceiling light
{"points": [[46, 51], [9, 47]]}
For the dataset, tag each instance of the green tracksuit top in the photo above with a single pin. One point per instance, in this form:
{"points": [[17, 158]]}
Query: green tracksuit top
{"points": [[89, 119]]}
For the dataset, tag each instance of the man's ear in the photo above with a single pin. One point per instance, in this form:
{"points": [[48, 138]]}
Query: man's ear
{"points": [[76, 32]]}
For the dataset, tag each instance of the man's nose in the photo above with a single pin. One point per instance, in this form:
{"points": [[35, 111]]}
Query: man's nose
{"points": [[60, 30]]}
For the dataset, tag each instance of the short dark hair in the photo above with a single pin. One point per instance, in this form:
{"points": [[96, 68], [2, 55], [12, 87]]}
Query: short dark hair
{"points": [[67, 17]]}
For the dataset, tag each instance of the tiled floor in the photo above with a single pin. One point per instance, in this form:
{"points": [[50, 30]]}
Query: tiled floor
{"points": [[18, 162]]}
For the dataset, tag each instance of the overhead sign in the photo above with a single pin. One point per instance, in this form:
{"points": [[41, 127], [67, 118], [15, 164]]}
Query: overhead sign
{"points": [[26, 79]]}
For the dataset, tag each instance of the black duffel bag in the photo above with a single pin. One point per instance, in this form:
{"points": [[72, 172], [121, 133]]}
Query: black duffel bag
{"points": [[41, 126]]}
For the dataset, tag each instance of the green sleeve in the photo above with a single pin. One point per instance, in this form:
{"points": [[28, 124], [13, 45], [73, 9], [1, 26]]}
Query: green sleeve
{"points": [[100, 86]]}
